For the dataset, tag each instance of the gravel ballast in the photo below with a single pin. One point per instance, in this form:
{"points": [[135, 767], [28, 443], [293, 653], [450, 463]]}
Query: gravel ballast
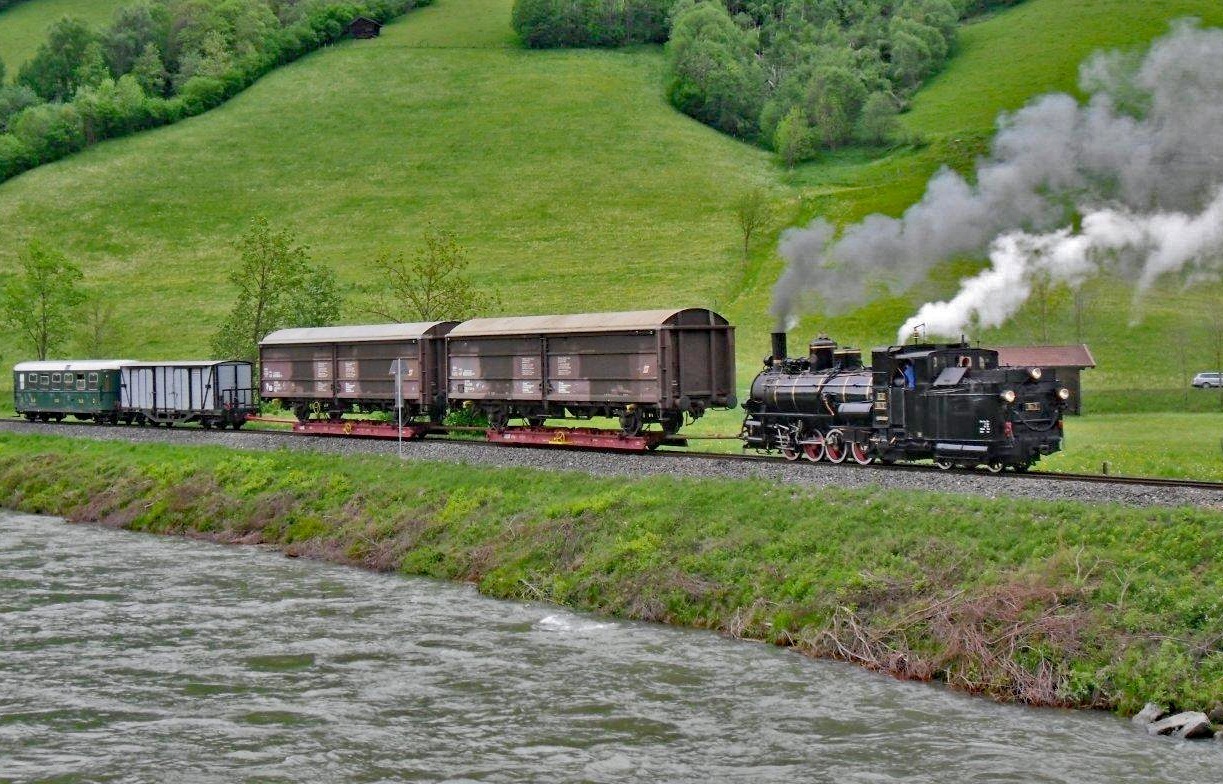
{"points": [[668, 464]]}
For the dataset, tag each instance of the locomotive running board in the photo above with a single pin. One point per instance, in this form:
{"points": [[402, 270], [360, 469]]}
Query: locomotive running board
{"points": [[582, 438], [357, 428]]}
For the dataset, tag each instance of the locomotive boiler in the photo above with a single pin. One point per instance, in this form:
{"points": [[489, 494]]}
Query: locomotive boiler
{"points": [[949, 402]]}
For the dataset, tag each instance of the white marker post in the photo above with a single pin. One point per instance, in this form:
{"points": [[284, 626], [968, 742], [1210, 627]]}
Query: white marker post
{"points": [[399, 402]]}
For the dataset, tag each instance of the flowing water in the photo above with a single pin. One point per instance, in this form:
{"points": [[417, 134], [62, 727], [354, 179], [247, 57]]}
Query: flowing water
{"points": [[127, 657]]}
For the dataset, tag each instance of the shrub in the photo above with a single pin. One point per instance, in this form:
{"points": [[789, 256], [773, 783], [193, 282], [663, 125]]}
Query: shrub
{"points": [[544, 24], [744, 74], [50, 130], [714, 76], [878, 123], [13, 100], [15, 156]]}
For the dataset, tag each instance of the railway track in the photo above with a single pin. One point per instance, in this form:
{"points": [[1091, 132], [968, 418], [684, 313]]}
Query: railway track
{"points": [[667, 454]]}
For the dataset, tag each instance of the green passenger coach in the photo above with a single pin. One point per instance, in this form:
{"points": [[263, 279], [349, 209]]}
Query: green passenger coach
{"points": [[52, 389]]}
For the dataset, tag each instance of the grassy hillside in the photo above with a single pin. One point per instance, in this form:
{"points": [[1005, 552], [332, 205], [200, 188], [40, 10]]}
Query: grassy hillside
{"points": [[572, 181], [24, 26]]}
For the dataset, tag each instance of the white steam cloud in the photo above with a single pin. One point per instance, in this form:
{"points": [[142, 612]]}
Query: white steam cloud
{"points": [[1142, 247], [1141, 160]]}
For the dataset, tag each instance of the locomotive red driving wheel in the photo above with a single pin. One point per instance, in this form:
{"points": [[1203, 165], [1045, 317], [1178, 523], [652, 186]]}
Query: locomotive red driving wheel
{"points": [[813, 448], [861, 453], [835, 447]]}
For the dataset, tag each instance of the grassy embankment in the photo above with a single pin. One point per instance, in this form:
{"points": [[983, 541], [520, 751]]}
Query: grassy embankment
{"points": [[1048, 603], [573, 182], [23, 27]]}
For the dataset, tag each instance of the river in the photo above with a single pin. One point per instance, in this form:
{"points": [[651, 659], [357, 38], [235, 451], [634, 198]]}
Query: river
{"points": [[129, 657]]}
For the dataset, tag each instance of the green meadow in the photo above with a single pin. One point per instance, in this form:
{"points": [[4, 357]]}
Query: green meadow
{"points": [[24, 26], [571, 180]]}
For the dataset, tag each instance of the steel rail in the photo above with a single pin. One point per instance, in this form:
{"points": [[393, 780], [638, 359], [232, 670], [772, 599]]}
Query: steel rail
{"points": [[675, 452]]}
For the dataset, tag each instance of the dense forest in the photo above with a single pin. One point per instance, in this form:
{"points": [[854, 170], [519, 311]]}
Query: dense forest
{"points": [[157, 62], [792, 75]]}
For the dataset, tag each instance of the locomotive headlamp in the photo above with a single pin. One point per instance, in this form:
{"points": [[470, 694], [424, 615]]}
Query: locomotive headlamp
{"points": [[1035, 373], [1063, 394], [1008, 396]]}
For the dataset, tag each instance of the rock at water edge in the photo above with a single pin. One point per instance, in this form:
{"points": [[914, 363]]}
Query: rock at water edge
{"points": [[1190, 724], [1149, 713]]}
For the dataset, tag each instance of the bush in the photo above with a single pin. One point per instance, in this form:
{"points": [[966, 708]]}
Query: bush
{"points": [[714, 75], [50, 130], [823, 56], [878, 123], [15, 156], [13, 100], [544, 24]]}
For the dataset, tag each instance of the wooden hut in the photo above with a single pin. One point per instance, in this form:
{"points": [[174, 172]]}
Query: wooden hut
{"points": [[364, 27], [1068, 361]]}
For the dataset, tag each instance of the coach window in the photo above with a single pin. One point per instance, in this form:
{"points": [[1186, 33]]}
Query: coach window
{"points": [[55, 379], [34, 380], [67, 381], [44, 381], [93, 380], [80, 382]]}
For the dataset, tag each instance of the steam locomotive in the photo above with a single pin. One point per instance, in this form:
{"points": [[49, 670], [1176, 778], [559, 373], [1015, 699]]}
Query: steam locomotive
{"points": [[949, 402]]}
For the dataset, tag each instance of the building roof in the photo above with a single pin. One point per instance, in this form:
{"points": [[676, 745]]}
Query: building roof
{"points": [[357, 333], [625, 321], [1046, 356], [365, 19], [71, 365]]}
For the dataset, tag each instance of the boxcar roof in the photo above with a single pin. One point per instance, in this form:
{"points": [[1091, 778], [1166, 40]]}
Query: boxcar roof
{"points": [[187, 363], [356, 333], [625, 321], [74, 365]]}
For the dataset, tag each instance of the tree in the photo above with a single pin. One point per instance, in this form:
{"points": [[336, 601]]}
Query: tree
{"points": [[277, 288], [430, 287], [794, 140], [97, 329], [92, 69], [1046, 299], [52, 72], [135, 28], [37, 301], [834, 101], [714, 74], [149, 71], [878, 123], [751, 211]]}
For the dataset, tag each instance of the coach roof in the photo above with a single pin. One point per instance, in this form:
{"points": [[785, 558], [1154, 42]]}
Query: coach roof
{"points": [[357, 333], [72, 365], [625, 321]]}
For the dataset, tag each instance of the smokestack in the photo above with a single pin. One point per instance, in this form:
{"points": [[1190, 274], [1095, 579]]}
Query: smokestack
{"points": [[779, 346]]}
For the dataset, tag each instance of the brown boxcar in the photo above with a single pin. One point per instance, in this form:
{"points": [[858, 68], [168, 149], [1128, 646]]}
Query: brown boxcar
{"points": [[641, 366], [330, 370]]}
